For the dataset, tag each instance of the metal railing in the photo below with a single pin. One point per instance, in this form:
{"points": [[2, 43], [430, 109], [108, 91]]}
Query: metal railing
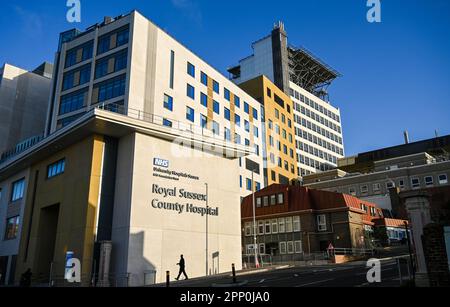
{"points": [[315, 258], [352, 251], [214, 133]]}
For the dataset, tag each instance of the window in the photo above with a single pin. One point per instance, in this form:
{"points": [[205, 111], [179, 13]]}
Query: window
{"points": [[237, 120], [376, 187], [296, 223], [298, 247], [191, 70], [249, 185], [227, 94], [204, 78], [203, 121], [73, 101], [261, 227], [227, 134], [280, 198], [216, 87], [190, 114], [282, 248], [255, 131], [246, 126], [227, 113], [258, 186], [204, 100], [428, 180], [273, 200], [240, 182], [79, 54], [268, 227], [168, 102], [113, 40], [352, 191], [364, 189], [248, 229], [290, 247], [443, 179], [415, 183], [390, 185], [262, 248], [190, 91], [216, 107], [167, 123], [266, 201], [237, 101], [255, 114], [289, 224], [17, 190], [246, 108], [12, 228], [321, 222], [274, 226], [111, 64], [77, 77], [172, 68], [269, 92], [56, 169], [258, 202], [401, 184], [281, 228], [216, 128], [109, 89]]}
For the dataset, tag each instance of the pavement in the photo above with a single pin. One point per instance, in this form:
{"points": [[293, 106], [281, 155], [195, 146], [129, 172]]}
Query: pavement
{"points": [[351, 274]]}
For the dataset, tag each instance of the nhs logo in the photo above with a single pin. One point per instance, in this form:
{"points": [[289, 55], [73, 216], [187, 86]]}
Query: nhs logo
{"points": [[161, 162]]}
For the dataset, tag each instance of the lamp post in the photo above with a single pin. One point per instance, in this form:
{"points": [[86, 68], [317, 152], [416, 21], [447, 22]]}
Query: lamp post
{"points": [[206, 251], [254, 222]]}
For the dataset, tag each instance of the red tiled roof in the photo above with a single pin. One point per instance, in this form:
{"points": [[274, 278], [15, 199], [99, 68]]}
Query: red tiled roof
{"points": [[298, 198], [390, 222]]}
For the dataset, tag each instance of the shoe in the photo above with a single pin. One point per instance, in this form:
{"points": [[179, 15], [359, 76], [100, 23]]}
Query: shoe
{"points": [[176, 278]]}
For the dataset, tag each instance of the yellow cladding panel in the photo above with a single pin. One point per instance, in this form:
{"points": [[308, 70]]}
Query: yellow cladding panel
{"points": [[262, 89], [75, 194], [210, 103]]}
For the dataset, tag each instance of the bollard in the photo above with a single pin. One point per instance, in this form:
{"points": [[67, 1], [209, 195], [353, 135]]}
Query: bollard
{"points": [[167, 279], [234, 273]]}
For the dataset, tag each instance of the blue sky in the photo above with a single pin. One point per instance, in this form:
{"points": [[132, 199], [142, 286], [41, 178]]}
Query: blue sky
{"points": [[396, 74]]}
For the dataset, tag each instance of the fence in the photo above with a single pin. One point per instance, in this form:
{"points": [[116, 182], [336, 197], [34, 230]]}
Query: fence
{"points": [[299, 259]]}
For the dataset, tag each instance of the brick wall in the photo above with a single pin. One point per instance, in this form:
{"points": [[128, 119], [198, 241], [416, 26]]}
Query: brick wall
{"points": [[436, 255]]}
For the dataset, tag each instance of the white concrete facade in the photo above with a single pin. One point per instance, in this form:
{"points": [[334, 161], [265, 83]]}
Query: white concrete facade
{"points": [[318, 132], [147, 240], [23, 105], [149, 78]]}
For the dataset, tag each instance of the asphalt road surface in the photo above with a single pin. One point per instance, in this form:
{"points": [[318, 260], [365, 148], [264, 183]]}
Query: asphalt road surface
{"points": [[333, 275]]}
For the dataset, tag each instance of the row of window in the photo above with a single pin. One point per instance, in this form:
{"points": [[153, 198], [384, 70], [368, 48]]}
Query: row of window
{"points": [[248, 184], [279, 131], [73, 101], [320, 166], [303, 147], [76, 77], [272, 200], [273, 226], [312, 126], [314, 105], [282, 164], [79, 54], [113, 40], [415, 183], [111, 64], [191, 70], [317, 140], [318, 118], [289, 247]]}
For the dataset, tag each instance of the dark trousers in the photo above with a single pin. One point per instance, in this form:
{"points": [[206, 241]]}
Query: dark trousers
{"points": [[182, 271]]}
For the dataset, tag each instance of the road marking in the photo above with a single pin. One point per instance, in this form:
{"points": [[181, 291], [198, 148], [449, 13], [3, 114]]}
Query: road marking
{"points": [[261, 281], [314, 283]]}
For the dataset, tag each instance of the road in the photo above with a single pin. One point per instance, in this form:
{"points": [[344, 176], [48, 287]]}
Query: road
{"points": [[333, 275]]}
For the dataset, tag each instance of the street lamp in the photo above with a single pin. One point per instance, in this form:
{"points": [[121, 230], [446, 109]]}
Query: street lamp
{"points": [[254, 222], [206, 184]]}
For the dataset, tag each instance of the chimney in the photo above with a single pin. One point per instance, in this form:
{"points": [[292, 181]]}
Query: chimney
{"points": [[406, 135], [107, 20]]}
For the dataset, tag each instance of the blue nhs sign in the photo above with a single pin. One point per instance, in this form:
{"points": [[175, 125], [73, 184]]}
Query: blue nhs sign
{"points": [[161, 162]]}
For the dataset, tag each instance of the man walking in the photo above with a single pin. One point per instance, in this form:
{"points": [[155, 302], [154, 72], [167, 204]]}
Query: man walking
{"points": [[182, 268]]}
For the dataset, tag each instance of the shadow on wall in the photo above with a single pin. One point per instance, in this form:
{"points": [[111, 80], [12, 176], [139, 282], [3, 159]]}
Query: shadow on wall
{"points": [[141, 272]]}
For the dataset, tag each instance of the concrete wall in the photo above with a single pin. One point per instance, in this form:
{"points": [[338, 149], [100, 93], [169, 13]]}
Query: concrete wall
{"points": [[154, 238], [23, 105]]}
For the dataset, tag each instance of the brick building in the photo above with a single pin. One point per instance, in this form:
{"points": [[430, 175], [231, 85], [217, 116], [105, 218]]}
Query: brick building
{"points": [[292, 220]]}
